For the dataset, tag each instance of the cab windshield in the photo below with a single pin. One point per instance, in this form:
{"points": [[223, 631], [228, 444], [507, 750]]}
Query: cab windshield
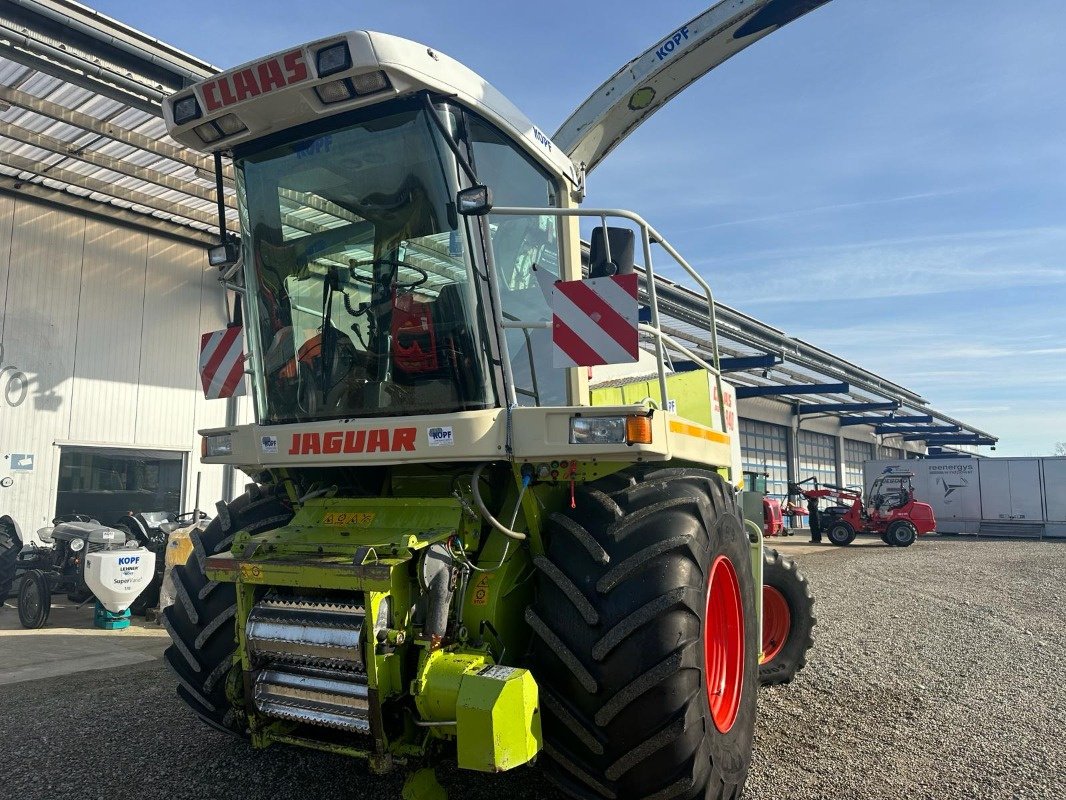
{"points": [[361, 291]]}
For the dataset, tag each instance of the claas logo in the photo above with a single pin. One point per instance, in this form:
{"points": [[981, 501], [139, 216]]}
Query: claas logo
{"points": [[244, 84]]}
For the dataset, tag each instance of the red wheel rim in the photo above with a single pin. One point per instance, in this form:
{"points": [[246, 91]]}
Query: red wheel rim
{"points": [[723, 644], [776, 623]]}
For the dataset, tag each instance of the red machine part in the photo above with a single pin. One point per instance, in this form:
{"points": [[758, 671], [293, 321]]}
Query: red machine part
{"points": [[773, 521], [414, 337]]}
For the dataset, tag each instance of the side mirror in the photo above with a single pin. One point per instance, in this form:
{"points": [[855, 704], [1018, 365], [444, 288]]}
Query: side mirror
{"points": [[613, 254], [474, 201], [224, 255]]}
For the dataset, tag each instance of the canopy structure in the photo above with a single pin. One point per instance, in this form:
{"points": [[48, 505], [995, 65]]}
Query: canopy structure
{"points": [[81, 126]]}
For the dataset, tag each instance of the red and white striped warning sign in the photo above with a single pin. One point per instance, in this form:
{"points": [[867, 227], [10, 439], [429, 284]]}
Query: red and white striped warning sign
{"points": [[222, 363], [595, 321]]}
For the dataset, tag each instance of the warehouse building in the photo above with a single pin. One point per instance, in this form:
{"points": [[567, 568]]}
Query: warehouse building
{"points": [[104, 226]]}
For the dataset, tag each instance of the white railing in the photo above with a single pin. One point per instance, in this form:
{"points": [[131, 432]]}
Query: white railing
{"points": [[648, 236]]}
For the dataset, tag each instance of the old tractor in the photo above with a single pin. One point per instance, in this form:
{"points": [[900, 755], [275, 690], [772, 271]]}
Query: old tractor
{"points": [[458, 543]]}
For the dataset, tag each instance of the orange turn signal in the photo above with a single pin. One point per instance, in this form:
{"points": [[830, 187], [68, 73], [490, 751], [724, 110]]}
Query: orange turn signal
{"points": [[638, 430]]}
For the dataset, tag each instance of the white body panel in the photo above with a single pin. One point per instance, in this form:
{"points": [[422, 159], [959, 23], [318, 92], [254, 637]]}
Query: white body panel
{"points": [[1055, 480], [99, 350], [116, 577], [671, 65], [995, 491], [411, 67]]}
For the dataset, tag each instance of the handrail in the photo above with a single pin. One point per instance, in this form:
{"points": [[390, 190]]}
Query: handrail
{"points": [[649, 236]]}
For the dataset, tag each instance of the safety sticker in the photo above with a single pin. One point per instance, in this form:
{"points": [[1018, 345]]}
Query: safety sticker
{"points": [[270, 444], [498, 673], [481, 591], [441, 436]]}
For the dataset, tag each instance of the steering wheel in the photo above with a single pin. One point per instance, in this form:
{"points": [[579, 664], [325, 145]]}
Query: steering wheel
{"points": [[392, 262]]}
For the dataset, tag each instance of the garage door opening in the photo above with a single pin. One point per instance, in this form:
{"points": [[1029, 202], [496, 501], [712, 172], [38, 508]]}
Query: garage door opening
{"points": [[108, 483]]}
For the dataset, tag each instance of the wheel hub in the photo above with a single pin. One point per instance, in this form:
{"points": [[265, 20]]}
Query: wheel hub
{"points": [[776, 623], [723, 644]]}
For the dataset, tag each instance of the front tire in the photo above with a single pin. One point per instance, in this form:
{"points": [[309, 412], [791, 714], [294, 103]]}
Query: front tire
{"points": [[841, 534], [35, 600], [901, 533], [645, 646], [788, 619], [200, 621]]}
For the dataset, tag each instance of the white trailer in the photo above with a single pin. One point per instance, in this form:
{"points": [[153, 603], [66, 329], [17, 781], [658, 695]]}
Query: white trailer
{"points": [[991, 496]]}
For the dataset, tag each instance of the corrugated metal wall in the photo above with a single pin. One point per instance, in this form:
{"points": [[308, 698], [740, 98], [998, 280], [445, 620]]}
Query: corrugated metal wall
{"points": [[104, 321]]}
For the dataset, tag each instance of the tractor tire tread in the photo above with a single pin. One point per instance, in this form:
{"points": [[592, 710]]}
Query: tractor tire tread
{"points": [[625, 709], [782, 573], [200, 624]]}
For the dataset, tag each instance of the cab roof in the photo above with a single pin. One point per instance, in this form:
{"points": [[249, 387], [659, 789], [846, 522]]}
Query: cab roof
{"points": [[278, 92]]}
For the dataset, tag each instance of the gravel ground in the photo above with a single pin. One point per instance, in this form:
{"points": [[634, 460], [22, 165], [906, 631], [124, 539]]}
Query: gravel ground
{"points": [[937, 673]]}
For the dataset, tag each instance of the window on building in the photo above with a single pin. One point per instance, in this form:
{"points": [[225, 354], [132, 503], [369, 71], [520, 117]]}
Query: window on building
{"points": [[817, 457], [764, 448], [855, 455], [107, 484], [890, 452]]}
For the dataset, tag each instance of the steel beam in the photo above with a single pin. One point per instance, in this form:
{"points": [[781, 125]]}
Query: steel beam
{"points": [[741, 363], [825, 408], [108, 162], [915, 418], [86, 122], [737, 364], [38, 192], [918, 429], [947, 439], [131, 196], [799, 388]]}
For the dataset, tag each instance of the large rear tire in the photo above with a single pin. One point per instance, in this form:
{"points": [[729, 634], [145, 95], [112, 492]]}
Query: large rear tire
{"points": [[10, 546], [200, 622], [645, 648], [788, 619]]}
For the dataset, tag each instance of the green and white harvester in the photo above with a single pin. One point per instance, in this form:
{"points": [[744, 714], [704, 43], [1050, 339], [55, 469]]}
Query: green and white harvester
{"points": [[488, 522]]}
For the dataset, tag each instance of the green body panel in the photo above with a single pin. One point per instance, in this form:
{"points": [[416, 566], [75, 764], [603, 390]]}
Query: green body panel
{"points": [[691, 391], [755, 537], [498, 719]]}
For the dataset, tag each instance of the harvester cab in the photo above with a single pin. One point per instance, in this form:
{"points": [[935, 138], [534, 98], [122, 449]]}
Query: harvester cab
{"points": [[488, 520]]}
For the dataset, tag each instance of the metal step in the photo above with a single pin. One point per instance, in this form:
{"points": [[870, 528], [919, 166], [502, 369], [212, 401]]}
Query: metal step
{"points": [[1024, 530]]}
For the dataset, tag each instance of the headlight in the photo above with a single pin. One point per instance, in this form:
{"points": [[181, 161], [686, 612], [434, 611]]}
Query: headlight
{"points": [[186, 110], [217, 444], [333, 59], [634, 429], [76, 545]]}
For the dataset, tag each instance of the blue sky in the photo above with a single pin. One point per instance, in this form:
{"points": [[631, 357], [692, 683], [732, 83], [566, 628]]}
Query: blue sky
{"points": [[884, 180]]}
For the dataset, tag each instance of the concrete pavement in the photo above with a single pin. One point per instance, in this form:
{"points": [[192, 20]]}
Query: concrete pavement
{"points": [[70, 643]]}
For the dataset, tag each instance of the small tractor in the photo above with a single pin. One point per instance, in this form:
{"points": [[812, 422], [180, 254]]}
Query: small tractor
{"points": [[84, 560], [891, 511], [453, 547]]}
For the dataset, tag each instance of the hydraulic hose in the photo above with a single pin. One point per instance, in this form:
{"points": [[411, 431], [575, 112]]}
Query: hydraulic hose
{"points": [[486, 514]]}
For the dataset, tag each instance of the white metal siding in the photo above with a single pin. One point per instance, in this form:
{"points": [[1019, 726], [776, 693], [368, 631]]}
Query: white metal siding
{"points": [[107, 355], [105, 321], [40, 325]]}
